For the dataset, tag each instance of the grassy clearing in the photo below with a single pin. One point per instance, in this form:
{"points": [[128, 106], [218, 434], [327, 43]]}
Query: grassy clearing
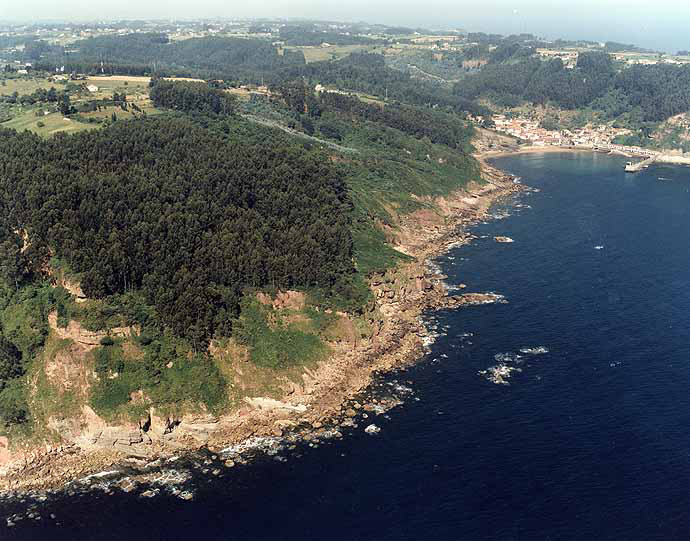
{"points": [[107, 112], [33, 118], [273, 345], [274, 342], [170, 375], [134, 87], [372, 253], [48, 400], [246, 378], [45, 125], [52, 123], [241, 94]]}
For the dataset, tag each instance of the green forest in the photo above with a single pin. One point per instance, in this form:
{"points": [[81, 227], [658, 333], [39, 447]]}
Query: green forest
{"points": [[657, 91], [513, 74], [190, 96], [146, 54], [172, 222], [177, 212]]}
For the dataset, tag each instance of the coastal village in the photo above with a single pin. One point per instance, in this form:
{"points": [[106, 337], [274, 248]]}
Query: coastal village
{"points": [[595, 137]]}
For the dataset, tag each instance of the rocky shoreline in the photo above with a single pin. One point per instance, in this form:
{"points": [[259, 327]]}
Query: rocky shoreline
{"points": [[324, 401]]}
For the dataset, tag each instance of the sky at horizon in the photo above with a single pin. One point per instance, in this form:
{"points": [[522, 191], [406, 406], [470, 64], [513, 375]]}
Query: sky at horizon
{"points": [[661, 25]]}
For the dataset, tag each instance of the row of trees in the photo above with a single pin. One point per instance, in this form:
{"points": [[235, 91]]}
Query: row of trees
{"points": [[40, 95]]}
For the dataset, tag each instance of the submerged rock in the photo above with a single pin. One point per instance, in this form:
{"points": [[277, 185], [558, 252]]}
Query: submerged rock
{"points": [[499, 374], [372, 429]]}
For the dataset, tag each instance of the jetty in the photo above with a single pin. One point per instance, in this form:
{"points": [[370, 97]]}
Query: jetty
{"points": [[631, 167]]}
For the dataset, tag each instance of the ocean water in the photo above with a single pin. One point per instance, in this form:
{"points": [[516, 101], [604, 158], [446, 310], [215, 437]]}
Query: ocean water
{"points": [[590, 439]]}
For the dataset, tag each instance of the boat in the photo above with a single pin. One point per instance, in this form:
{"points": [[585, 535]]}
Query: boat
{"points": [[630, 167]]}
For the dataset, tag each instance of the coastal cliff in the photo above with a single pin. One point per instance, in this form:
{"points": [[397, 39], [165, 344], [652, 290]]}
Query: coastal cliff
{"points": [[305, 401]]}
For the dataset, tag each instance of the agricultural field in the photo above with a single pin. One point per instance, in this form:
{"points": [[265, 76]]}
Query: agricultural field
{"points": [[134, 87], [26, 85], [241, 94], [45, 121], [107, 86], [334, 52]]}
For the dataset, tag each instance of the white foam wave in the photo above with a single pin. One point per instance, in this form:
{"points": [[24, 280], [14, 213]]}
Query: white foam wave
{"points": [[540, 350], [253, 444]]}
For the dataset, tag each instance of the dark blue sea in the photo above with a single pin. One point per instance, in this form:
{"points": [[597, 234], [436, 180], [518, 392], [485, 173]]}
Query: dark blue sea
{"points": [[590, 438]]}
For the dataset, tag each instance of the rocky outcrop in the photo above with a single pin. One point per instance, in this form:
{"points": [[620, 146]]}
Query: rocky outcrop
{"points": [[472, 299], [88, 340], [396, 337], [149, 436], [284, 300], [5, 454], [269, 404], [74, 288], [196, 428], [68, 370], [125, 439], [414, 284]]}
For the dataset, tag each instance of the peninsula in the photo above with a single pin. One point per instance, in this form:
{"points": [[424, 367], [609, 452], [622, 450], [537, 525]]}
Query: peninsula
{"points": [[221, 231]]}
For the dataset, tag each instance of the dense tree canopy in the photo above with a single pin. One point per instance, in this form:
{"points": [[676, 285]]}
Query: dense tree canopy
{"points": [[190, 96], [167, 207], [542, 81], [151, 53], [307, 34], [661, 90], [10, 362], [418, 122]]}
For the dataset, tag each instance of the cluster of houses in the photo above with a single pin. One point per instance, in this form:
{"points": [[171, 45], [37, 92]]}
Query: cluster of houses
{"points": [[649, 59], [568, 57], [595, 137]]}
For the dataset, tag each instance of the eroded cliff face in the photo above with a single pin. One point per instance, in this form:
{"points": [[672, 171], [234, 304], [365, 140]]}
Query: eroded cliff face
{"points": [[390, 334]]}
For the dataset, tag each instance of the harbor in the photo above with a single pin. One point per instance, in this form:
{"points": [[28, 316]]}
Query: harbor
{"points": [[631, 167]]}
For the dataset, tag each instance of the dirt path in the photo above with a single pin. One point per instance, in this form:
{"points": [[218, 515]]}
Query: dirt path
{"points": [[274, 124]]}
